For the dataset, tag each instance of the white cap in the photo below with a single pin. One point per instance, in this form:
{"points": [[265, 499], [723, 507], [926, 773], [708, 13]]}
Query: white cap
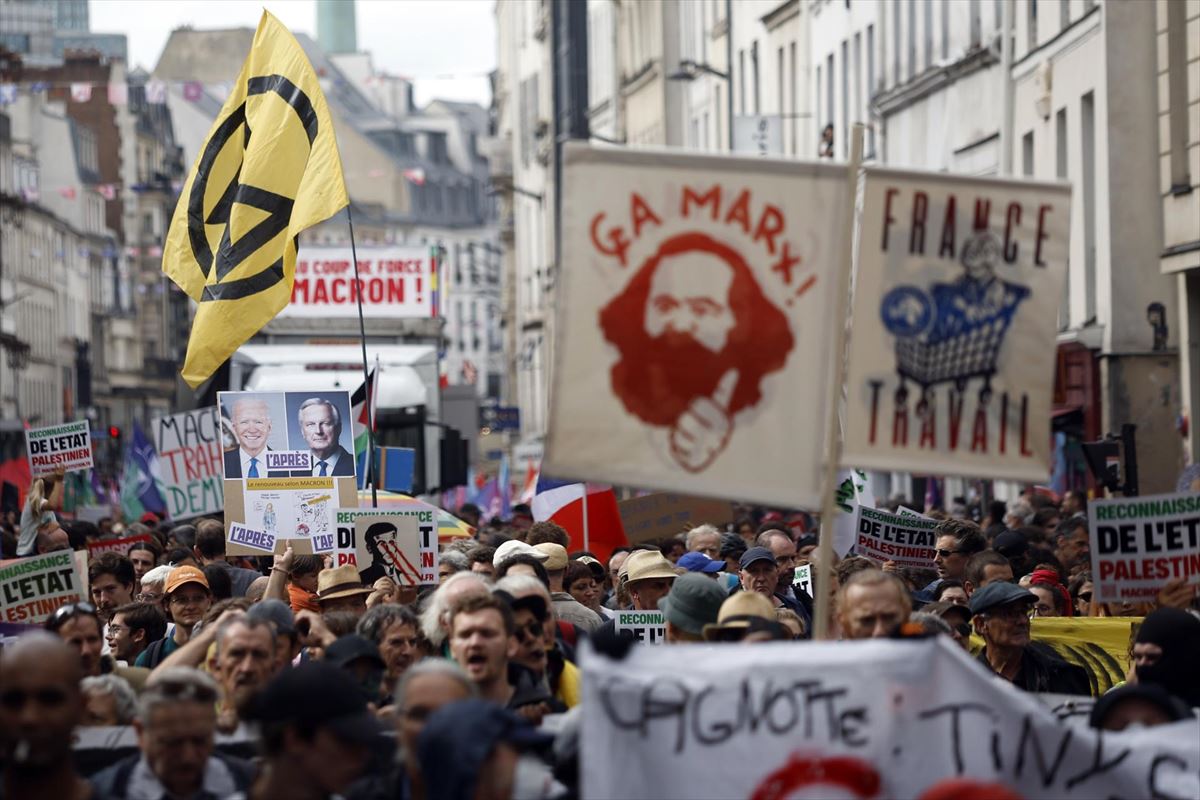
{"points": [[515, 547]]}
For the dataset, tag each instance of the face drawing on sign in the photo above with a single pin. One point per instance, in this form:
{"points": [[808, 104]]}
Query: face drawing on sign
{"points": [[696, 336], [954, 332], [382, 542]]}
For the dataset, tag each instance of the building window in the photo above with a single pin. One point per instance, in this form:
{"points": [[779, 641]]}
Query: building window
{"points": [[945, 7], [1060, 171], [912, 38], [1064, 13], [928, 7], [1027, 154], [845, 99], [820, 111], [794, 93], [1087, 157], [741, 83], [1031, 27], [859, 115], [976, 22], [754, 65], [830, 111], [1177, 96], [896, 80], [870, 85]]}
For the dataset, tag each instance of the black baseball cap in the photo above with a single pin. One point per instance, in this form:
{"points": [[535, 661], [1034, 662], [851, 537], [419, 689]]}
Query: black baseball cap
{"points": [[317, 695], [351, 647], [1010, 544], [757, 554]]}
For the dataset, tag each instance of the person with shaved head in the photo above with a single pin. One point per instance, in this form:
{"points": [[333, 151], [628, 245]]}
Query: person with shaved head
{"points": [[40, 706]]}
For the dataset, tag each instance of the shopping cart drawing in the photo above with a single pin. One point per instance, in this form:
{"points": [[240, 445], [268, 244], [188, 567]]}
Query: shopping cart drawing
{"points": [[953, 333]]}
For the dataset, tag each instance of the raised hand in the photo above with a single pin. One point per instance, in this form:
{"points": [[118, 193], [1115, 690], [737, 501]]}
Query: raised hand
{"points": [[701, 432]]}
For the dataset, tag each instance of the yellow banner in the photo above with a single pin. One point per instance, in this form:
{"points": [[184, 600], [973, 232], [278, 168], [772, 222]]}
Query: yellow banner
{"points": [[1101, 645], [268, 170], [287, 484]]}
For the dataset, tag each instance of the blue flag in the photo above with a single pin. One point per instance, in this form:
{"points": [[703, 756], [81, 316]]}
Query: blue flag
{"points": [[140, 482]]}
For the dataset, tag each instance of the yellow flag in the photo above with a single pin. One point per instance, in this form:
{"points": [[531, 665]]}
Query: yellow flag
{"points": [[268, 170]]}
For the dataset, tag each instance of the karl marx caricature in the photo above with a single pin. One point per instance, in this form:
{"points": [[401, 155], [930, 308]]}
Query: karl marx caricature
{"points": [[696, 336]]}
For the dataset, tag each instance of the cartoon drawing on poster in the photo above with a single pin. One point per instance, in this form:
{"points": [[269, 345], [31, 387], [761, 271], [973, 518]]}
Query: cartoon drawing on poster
{"points": [[950, 368], [256, 424], [299, 508], [690, 329]]}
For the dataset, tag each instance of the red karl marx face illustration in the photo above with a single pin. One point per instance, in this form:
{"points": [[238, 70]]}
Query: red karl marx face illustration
{"points": [[696, 336]]}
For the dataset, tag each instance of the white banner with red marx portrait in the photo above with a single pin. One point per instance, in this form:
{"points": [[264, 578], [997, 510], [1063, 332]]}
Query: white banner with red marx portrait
{"points": [[696, 314], [952, 346], [912, 719]]}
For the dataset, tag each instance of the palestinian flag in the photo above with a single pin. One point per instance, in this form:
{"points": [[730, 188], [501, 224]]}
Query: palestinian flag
{"points": [[358, 411]]}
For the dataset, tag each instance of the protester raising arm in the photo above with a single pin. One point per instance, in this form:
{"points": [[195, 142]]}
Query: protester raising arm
{"points": [[194, 653], [281, 570]]}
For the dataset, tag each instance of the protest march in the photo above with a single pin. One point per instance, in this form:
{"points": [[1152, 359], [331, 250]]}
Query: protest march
{"points": [[801, 520]]}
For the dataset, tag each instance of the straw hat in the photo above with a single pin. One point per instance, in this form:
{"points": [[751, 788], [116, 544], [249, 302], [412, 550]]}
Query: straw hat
{"points": [[340, 581]]}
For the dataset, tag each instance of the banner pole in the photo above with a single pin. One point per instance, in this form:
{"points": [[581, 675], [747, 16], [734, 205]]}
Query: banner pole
{"points": [[362, 338], [586, 540], [823, 576]]}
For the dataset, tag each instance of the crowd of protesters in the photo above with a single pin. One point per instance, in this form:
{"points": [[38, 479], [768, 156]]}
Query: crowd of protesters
{"points": [[467, 689]]}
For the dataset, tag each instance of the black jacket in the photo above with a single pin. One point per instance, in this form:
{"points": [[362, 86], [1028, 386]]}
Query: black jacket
{"points": [[1043, 671]]}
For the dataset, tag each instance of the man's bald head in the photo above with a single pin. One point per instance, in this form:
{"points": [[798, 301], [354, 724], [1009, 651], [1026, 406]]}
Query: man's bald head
{"points": [[40, 651], [40, 702]]}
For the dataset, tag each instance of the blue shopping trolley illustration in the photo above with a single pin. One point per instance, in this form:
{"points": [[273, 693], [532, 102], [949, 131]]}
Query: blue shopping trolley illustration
{"points": [[953, 333]]}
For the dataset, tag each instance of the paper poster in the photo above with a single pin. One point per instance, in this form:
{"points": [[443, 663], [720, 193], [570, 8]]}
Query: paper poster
{"points": [[190, 455], [663, 514], [252, 539], [257, 423], [952, 347], [694, 322], [648, 627], [802, 580], [853, 490], [881, 536], [119, 546], [388, 543], [394, 281], [32, 589], [876, 719], [68, 446], [299, 508], [1139, 544]]}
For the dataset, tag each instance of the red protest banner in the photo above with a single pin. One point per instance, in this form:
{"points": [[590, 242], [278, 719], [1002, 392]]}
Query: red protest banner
{"points": [[121, 546]]}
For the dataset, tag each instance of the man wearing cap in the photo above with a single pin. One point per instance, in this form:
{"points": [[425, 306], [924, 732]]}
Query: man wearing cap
{"points": [[187, 599], [746, 617], [759, 572], [957, 616], [647, 576], [317, 732], [359, 658], [784, 549], [566, 607], [515, 547], [693, 602], [340, 589], [1001, 616]]}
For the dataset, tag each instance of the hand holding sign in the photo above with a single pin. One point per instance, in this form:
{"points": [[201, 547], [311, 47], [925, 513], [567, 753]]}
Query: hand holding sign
{"points": [[701, 432]]}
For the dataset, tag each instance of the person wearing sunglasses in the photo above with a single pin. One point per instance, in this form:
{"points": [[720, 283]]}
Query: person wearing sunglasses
{"points": [[79, 625], [1080, 590], [1001, 614]]}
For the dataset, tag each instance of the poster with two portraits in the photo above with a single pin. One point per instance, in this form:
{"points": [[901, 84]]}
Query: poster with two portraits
{"points": [[698, 309], [288, 465]]}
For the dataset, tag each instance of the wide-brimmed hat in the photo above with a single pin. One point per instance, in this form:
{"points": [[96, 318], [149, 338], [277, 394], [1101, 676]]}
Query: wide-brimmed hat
{"points": [[739, 611], [644, 565], [693, 602], [340, 581]]}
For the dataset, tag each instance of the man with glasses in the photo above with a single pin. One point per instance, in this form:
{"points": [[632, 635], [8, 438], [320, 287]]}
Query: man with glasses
{"points": [[188, 599], [957, 541], [78, 624], [1001, 613], [133, 627], [176, 723]]}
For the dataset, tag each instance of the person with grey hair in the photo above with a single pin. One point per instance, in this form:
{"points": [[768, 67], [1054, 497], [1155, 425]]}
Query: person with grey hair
{"points": [[153, 583], [176, 724], [396, 632], [705, 539], [452, 562], [321, 426], [422, 690], [931, 623], [108, 700], [435, 619]]}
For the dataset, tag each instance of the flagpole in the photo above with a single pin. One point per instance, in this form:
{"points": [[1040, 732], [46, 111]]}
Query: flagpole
{"points": [[362, 338], [586, 541], [823, 575]]}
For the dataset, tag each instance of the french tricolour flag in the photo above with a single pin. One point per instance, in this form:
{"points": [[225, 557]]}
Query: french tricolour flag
{"points": [[599, 529]]}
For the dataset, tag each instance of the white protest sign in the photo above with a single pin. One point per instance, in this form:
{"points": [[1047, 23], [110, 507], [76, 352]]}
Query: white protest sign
{"points": [[395, 543], [68, 446], [32, 589], [694, 322], [908, 512], [189, 449], [873, 719], [394, 281], [649, 627], [248, 537], [951, 361], [908, 541], [802, 580], [1139, 544], [853, 490]]}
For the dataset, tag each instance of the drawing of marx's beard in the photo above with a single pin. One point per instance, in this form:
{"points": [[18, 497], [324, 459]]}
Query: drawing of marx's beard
{"points": [[660, 382]]}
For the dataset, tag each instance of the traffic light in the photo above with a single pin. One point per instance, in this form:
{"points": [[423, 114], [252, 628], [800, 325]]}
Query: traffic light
{"points": [[114, 433]]}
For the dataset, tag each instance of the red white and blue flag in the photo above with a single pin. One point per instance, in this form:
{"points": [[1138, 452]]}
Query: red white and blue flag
{"points": [[598, 529]]}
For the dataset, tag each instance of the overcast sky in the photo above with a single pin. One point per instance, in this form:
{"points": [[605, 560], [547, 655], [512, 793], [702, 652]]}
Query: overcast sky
{"points": [[427, 40]]}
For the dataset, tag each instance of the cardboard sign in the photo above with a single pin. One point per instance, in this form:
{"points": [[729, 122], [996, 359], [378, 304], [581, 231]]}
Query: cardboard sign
{"points": [[872, 719], [393, 281], [695, 321], [1139, 544], [854, 489], [951, 360], [119, 546], [68, 446], [908, 541], [257, 423], [252, 539], [388, 543], [189, 450], [802, 580], [32, 589], [301, 510], [649, 627], [663, 514]]}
